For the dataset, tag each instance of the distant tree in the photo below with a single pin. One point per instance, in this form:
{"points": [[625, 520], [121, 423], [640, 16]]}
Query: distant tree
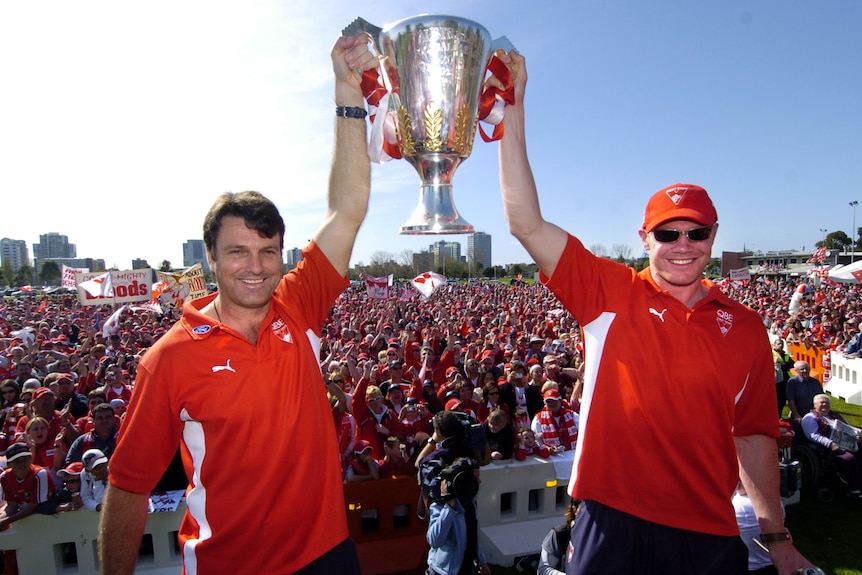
{"points": [[7, 274], [494, 272], [24, 276], [622, 252], [713, 268], [456, 269], [165, 266], [50, 273], [836, 240], [405, 258], [515, 269], [599, 250]]}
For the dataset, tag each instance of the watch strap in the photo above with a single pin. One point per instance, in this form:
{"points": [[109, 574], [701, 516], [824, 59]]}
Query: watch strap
{"points": [[778, 537]]}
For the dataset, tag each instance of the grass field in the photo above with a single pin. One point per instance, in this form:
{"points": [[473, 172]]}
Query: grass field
{"points": [[826, 533]]}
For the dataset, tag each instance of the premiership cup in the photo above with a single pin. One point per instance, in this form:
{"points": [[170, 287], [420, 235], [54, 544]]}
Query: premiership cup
{"points": [[434, 67]]}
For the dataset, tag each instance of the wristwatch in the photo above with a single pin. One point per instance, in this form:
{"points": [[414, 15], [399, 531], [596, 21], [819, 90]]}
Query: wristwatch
{"points": [[778, 537]]}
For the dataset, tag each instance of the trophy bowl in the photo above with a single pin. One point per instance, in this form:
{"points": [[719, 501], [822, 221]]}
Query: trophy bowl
{"points": [[434, 69]]}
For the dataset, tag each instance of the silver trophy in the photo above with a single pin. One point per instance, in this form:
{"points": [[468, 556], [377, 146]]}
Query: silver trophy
{"points": [[433, 67]]}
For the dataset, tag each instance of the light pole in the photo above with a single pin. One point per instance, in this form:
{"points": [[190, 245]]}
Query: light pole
{"points": [[853, 233], [823, 231]]}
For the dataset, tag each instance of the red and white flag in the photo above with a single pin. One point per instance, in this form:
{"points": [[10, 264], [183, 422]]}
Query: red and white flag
{"points": [[112, 324], [99, 286], [428, 283], [378, 288]]}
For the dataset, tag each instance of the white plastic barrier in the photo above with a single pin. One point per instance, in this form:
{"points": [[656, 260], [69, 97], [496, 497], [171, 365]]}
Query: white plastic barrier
{"points": [[41, 543], [845, 381], [519, 502]]}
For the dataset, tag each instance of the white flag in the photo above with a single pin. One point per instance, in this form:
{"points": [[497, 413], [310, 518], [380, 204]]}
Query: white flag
{"points": [[112, 324], [99, 286], [428, 283]]}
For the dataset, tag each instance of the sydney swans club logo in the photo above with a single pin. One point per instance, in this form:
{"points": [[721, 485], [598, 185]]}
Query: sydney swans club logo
{"points": [[676, 194], [280, 330], [725, 321]]}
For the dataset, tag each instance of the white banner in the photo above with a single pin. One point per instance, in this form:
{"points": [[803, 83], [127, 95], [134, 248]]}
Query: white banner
{"points": [[68, 280], [126, 286], [740, 274], [173, 290], [378, 288]]}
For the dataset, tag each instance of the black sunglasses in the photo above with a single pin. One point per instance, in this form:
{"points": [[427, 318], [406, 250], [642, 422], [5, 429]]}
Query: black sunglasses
{"points": [[693, 235]]}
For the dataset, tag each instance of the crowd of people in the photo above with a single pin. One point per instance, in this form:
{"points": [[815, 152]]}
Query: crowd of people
{"points": [[510, 356]]}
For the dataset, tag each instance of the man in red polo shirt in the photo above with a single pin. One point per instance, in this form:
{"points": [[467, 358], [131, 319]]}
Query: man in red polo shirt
{"points": [[678, 386], [261, 329]]}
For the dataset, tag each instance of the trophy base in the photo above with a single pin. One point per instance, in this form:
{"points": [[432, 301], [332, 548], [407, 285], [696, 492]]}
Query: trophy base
{"points": [[436, 214]]}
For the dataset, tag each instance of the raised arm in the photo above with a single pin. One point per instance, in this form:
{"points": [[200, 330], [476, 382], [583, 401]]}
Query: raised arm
{"points": [[543, 240], [350, 176]]}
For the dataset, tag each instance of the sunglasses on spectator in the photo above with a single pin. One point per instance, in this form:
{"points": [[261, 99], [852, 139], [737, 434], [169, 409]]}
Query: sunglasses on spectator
{"points": [[693, 235], [337, 381], [8, 391], [71, 481]]}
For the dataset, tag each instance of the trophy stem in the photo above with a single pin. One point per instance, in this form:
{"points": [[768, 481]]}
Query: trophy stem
{"points": [[436, 213]]}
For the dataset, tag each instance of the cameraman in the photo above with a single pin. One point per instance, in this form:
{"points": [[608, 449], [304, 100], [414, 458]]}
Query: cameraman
{"points": [[453, 527]]}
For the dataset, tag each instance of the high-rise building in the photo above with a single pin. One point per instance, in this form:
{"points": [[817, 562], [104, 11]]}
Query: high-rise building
{"points": [[52, 246], [139, 264], [194, 251], [479, 249], [14, 252], [445, 252], [294, 256]]}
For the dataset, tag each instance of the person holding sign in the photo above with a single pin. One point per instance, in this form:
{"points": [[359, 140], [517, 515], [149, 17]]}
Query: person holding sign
{"points": [[709, 364], [261, 330]]}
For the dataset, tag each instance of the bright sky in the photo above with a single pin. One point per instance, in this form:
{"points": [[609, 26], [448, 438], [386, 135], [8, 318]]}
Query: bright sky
{"points": [[121, 122]]}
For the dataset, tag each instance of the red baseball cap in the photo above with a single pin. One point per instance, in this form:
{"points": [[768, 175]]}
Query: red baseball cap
{"points": [[42, 391], [679, 202], [453, 404]]}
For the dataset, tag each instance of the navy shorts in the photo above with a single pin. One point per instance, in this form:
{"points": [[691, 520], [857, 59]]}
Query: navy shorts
{"points": [[340, 559], [605, 540]]}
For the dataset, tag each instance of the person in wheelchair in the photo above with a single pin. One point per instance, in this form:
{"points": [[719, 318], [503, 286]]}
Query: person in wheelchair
{"points": [[817, 427]]}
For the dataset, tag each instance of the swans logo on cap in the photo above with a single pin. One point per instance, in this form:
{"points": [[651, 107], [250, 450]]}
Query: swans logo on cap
{"points": [[676, 194]]}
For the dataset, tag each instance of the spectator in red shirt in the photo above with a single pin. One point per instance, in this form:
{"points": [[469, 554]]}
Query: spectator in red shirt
{"points": [[23, 484], [374, 420], [396, 463]]}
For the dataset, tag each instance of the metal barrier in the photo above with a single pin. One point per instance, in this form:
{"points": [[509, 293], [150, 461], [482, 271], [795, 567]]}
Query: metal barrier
{"points": [[65, 544], [519, 502], [845, 381]]}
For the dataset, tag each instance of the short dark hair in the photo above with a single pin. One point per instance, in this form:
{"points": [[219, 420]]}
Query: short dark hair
{"points": [[102, 407], [448, 424], [258, 212]]}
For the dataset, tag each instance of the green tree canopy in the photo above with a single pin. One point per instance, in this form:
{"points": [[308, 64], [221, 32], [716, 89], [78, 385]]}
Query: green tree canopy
{"points": [[50, 273]]}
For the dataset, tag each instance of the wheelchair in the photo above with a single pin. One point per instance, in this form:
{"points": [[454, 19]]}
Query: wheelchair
{"points": [[820, 475]]}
